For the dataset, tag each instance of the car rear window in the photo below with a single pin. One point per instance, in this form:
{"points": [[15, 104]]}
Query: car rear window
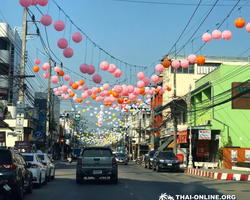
{"points": [[167, 155], [28, 158], [96, 152], [41, 156], [120, 155], [152, 153], [5, 157]]}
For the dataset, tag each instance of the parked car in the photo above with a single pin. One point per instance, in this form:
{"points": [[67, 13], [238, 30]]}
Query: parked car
{"points": [[37, 168], [165, 161], [96, 162], [121, 158], [50, 167], [16, 171], [148, 159]]}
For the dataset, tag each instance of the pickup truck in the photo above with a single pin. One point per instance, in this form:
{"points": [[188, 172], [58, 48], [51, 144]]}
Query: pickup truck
{"points": [[96, 162]]}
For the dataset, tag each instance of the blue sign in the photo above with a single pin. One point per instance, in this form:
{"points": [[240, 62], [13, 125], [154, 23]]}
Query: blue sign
{"points": [[38, 134]]}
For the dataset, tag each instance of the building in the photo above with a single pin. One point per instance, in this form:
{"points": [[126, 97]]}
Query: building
{"points": [[221, 109]]}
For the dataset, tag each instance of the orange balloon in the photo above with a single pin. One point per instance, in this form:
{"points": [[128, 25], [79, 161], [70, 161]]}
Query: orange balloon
{"points": [[36, 69], [240, 23], [81, 82], [128, 102], [93, 96], [99, 90], [74, 86], [142, 90], [116, 95], [156, 91], [134, 100], [109, 92], [72, 94], [61, 73], [110, 103], [79, 100], [106, 104], [200, 60], [144, 93], [120, 100], [168, 88], [166, 63]]}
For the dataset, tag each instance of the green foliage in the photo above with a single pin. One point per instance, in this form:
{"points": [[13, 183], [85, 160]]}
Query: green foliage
{"points": [[242, 164]]}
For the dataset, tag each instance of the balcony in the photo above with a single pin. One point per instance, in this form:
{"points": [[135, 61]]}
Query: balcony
{"points": [[5, 57]]}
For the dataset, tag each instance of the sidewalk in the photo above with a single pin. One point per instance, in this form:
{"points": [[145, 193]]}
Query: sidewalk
{"points": [[221, 174]]}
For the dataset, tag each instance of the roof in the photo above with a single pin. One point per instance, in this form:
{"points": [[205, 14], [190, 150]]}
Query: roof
{"points": [[5, 125]]}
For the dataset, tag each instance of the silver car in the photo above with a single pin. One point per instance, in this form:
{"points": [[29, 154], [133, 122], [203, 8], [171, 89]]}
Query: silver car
{"points": [[121, 158]]}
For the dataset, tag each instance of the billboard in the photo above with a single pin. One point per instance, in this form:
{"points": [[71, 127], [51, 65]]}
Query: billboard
{"points": [[242, 102]]}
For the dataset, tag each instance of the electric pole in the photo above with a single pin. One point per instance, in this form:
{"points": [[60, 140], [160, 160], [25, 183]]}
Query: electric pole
{"points": [[190, 158], [153, 125], [139, 139], [175, 115], [48, 110]]}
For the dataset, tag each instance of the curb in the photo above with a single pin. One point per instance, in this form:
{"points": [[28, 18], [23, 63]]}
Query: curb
{"points": [[218, 176]]}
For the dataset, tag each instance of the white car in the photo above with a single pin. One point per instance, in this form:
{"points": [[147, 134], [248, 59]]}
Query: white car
{"points": [[50, 167], [37, 168]]}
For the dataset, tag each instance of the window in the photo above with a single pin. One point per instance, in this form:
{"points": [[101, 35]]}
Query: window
{"points": [[167, 155], [180, 70], [5, 157], [28, 158], [207, 68], [96, 152], [4, 45], [41, 157]]}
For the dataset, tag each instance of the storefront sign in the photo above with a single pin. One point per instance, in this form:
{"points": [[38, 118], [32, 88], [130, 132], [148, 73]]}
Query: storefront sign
{"points": [[2, 137], [197, 127], [182, 139], [247, 156], [242, 102], [234, 155], [23, 145], [204, 134]]}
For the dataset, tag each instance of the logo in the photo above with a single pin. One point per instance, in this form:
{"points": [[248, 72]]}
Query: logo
{"points": [[38, 134], [165, 196]]}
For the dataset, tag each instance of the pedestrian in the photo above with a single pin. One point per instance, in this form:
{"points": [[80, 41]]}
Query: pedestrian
{"points": [[70, 158], [39, 150]]}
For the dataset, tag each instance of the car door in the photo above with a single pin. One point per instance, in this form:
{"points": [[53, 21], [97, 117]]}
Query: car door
{"points": [[155, 159], [42, 168], [23, 167], [52, 166]]}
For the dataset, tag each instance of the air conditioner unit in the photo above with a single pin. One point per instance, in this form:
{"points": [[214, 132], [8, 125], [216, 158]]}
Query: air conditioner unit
{"points": [[207, 122]]}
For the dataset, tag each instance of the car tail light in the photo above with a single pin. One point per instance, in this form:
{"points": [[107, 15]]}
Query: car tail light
{"points": [[45, 163], [9, 166], [3, 182], [34, 166], [79, 160], [113, 159]]}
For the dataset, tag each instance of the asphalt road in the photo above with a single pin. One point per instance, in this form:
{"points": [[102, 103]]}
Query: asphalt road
{"points": [[135, 183]]}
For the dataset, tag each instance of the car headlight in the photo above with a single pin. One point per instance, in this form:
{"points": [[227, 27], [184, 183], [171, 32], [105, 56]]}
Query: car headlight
{"points": [[151, 159], [161, 160]]}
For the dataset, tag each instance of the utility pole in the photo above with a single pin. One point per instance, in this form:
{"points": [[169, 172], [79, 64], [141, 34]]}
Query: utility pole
{"points": [[175, 115], [139, 139], [153, 125], [190, 158], [48, 110]]}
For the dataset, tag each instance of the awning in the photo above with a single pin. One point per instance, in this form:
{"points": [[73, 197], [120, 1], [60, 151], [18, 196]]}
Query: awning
{"points": [[171, 145], [5, 125], [166, 143]]}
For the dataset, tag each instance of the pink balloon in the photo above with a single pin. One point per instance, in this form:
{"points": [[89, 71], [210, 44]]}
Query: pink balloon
{"points": [[46, 75], [248, 27], [57, 69], [153, 89], [91, 70], [69, 90], [114, 106], [104, 65], [132, 96], [66, 97], [176, 64], [35, 2], [67, 78], [184, 63], [140, 84], [162, 91], [139, 100], [113, 99], [75, 98], [159, 87], [63, 95], [46, 20], [146, 81], [97, 78], [216, 34], [112, 68], [84, 95], [25, 3], [206, 37], [37, 61], [59, 88], [64, 87], [94, 90], [62, 43], [130, 89], [102, 98], [155, 78], [85, 87], [97, 99], [105, 86], [43, 2], [71, 83], [100, 123], [192, 58], [89, 92], [57, 93], [149, 96], [159, 68], [55, 89], [77, 37], [54, 79], [165, 87], [105, 92], [117, 73], [107, 99], [118, 89], [226, 35], [102, 94], [136, 91], [80, 88], [150, 92], [84, 68], [68, 52], [141, 75], [59, 25], [87, 102]]}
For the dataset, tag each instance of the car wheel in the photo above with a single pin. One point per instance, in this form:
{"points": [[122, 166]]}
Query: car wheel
{"points": [[114, 178], [39, 185], [29, 190], [153, 168], [53, 177], [158, 169], [18, 195]]}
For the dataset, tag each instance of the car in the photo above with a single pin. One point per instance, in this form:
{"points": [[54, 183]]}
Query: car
{"points": [[37, 168], [121, 158], [50, 167], [148, 159], [96, 162], [15, 170], [164, 160]]}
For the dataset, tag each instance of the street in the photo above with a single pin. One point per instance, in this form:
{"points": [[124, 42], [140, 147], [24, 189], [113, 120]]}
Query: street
{"points": [[135, 183]]}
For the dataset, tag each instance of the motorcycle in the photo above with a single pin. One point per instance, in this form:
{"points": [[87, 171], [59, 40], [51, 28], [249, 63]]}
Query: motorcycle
{"points": [[4, 190]]}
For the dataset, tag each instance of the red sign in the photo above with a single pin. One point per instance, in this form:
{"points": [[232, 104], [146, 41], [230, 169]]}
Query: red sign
{"points": [[180, 157], [2, 137], [182, 139]]}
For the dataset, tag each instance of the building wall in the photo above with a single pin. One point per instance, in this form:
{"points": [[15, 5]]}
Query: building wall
{"points": [[237, 119]]}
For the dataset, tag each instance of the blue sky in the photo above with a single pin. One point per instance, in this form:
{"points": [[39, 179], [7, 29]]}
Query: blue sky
{"points": [[136, 33]]}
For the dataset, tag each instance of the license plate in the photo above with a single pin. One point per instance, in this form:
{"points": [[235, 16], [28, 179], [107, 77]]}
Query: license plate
{"points": [[169, 164], [120, 160], [6, 187], [97, 172]]}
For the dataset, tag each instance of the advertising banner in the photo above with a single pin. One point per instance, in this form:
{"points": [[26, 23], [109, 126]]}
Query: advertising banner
{"points": [[204, 134], [234, 155]]}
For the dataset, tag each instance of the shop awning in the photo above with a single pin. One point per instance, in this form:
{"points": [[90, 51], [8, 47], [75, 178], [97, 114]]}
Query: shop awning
{"points": [[171, 145], [166, 143]]}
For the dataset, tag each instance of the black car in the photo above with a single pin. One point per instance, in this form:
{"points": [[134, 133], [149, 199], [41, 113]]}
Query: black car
{"points": [[16, 171], [148, 159], [163, 160]]}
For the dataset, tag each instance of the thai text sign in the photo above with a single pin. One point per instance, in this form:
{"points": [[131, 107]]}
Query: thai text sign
{"points": [[204, 135], [242, 101]]}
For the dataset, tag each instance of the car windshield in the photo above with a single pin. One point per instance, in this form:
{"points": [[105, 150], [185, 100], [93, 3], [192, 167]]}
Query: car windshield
{"points": [[167, 155], [152, 153], [28, 158], [41, 156], [5, 157], [120, 155], [96, 152]]}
